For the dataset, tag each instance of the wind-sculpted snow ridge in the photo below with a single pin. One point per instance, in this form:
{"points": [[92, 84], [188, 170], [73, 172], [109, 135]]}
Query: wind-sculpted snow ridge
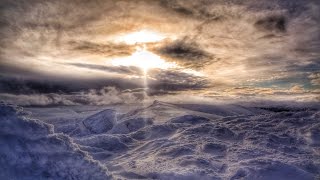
{"points": [[174, 141], [29, 149]]}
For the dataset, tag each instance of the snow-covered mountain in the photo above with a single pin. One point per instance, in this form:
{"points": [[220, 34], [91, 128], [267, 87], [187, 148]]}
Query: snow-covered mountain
{"points": [[162, 141]]}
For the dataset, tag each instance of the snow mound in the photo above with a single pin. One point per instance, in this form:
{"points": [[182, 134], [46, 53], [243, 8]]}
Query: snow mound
{"points": [[131, 125], [101, 122], [190, 119], [30, 150], [154, 132], [106, 142], [273, 170]]}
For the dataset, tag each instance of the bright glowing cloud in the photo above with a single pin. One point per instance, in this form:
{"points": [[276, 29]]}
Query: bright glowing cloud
{"points": [[142, 36]]}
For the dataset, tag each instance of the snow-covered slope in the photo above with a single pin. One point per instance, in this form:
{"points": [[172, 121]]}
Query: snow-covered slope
{"points": [[282, 145], [30, 150], [175, 141]]}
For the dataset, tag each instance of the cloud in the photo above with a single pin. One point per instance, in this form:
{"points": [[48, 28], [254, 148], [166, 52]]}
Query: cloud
{"points": [[186, 53], [104, 96], [169, 81], [108, 95], [37, 99], [200, 10], [315, 79], [29, 92], [27, 86], [128, 70], [233, 43], [159, 82], [272, 23], [61, 84], [251, 40], [260, 91], [107, 50]]}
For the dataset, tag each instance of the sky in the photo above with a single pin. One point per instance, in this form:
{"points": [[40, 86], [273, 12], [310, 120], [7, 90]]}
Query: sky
{"points": [[121, 51]]}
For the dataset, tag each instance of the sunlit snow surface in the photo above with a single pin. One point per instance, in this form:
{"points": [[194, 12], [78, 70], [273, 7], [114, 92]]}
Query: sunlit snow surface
{"points": [[162, 141]]}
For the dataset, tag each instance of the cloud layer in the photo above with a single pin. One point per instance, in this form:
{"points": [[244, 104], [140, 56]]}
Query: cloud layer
{"points": [[59, 47]]}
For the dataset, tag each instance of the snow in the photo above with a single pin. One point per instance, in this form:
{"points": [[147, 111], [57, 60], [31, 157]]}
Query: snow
{"points": [[31, 150], [100, 122], [162, 141]]}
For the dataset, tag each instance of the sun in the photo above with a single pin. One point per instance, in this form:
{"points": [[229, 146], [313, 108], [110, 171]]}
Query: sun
{"points": [[142, 36], [143, 59]]}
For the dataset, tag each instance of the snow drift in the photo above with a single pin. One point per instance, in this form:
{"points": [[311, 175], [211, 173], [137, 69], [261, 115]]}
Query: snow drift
{"points": [[166, 141]]}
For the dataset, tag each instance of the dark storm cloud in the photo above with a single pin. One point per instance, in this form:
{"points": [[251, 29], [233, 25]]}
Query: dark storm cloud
{"points": [[11, 70], [170, 81], [20, 86], [272, 23], [128, 70], [34, 85], [98, 92], [186, 53], [159, 82], [108, 50]]}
